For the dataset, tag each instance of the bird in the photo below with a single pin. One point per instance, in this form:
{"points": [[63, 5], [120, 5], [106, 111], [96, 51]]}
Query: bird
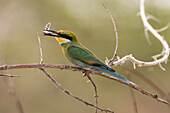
{"points": [[79, 55]]}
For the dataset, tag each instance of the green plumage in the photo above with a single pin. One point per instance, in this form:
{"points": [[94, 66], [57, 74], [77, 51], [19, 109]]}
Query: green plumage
{"points": [[83, 57]]}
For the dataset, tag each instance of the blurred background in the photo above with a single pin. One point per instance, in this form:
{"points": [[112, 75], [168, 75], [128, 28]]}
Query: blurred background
{"points": [[20, 20]]}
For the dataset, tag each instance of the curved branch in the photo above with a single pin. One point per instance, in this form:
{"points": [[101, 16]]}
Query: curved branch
{"points": [[117, 38], [165, 52], [75, 68]]}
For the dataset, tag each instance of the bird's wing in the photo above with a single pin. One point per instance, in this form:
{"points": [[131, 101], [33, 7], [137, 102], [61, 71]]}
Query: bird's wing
{"points": [[85, 56]]}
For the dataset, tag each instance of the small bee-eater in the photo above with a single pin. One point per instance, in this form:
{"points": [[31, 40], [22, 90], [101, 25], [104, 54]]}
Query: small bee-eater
{"points": [[79, 55]]}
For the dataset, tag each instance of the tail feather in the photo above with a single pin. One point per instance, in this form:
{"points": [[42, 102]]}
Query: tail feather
{"points": [[118, 76]]}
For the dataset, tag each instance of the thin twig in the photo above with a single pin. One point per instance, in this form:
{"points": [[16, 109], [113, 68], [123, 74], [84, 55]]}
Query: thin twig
{"points": [[70, 94], [133, 96], [14, 95], [148, 16], [164, 28], [147, 36], [41, 53], [75, 68], [12, 91], [8, 75], [117, 38], [95, 88], [153, 85]]}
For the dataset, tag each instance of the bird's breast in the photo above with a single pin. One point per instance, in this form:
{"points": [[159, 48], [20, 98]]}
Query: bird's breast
{"points": [[64, 52]]}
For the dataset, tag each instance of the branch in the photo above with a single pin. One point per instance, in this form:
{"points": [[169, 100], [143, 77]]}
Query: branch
{"points": [[70, 94], [164, 28], [40, 46], [75, 68], [14, 95], [117, 38], [148, 27], [153, 85], [12, 90], [133, 96], [95, 87]]}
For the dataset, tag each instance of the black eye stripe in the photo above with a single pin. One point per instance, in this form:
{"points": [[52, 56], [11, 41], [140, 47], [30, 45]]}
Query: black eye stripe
{"points": [[65, 36]]}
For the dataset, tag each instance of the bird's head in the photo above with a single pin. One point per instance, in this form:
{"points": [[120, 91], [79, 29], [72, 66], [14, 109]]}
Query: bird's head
{"points": [[62, 36]]}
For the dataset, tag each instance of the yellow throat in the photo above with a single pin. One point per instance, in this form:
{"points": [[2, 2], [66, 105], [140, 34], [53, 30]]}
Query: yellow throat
{"points": [[62, 41]]}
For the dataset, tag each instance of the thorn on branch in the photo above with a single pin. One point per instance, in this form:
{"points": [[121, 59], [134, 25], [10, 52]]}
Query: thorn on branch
{"points": [[85, 73], [156, 96], [147, 36], [155, 58], [148, 16], [164, 28]]}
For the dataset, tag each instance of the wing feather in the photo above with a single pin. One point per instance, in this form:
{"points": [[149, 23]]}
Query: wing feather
{"points": [[85, 56]]}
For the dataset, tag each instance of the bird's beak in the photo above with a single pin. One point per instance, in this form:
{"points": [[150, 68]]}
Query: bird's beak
{"points": [[51, 33]]}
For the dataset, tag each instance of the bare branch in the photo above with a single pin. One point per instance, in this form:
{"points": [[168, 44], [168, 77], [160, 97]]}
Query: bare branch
{"points": [[164, 54], [143, 77], [117, 38], [75, 68], [41, 53], [70, 94], [12, 91], [133, 96], [14, 95], [95, 88]]}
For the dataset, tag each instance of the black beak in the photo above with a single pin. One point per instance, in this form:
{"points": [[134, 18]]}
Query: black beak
{"points": [[51, 33]]}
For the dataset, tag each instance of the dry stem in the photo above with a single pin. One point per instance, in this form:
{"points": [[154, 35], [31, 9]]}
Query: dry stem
{"points": [[70, 94], [153, 85], [75, 68], [12, 90], [117, 38], [133, 96], [95, 88]]}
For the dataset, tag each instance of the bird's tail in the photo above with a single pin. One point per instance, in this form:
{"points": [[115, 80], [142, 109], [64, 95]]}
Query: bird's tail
{"points": [[118, 76]]}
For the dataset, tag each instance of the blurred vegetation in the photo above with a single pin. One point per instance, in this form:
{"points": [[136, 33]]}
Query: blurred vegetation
{"points": [[20, 20]]}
